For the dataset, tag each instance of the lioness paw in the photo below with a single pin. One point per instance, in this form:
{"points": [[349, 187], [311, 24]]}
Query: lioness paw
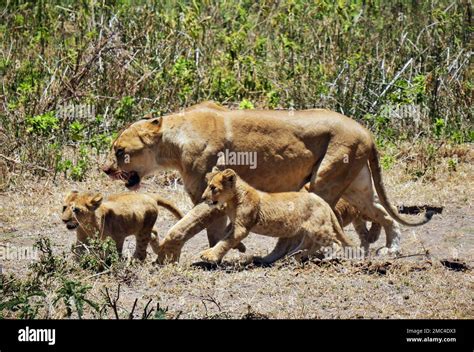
{"points": [[241, 247], [388, 251], [210, 256]]}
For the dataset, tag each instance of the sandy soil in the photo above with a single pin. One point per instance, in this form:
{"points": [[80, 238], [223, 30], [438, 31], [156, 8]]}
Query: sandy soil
{"points": [[416, 285]]}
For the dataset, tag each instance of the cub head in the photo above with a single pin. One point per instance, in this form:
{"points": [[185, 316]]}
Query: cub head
{"points": [[220, 186], [133, 153], [79, 208]]}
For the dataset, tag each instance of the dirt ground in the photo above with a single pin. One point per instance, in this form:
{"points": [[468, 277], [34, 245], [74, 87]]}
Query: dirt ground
{"points": [[415, 285]]}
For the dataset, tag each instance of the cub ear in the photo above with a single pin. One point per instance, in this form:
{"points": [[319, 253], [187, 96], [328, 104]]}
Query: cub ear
{"points": [[229, 175], [71, 195], [211, 174], [95, 201]]}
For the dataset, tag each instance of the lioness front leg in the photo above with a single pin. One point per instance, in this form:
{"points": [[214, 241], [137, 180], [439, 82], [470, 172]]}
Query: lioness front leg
{"points": [[216, 253], [196, 220]]}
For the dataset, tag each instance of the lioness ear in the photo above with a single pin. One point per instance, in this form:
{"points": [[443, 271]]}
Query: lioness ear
{"points": [[151, 133], [95, 201], [156, 121], [229, 175]]}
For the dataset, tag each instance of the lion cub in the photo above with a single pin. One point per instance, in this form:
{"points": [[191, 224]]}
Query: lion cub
{"points": [[303, 222], [119, 216], [348, 214]]}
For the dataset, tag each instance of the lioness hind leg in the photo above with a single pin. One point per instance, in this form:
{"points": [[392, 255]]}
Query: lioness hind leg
{"points": [[333, 174], [362, 195], [361, 230], [216, 230], [282, 248], [304, 249], [374, 232], [376, 211], [119, 244]]}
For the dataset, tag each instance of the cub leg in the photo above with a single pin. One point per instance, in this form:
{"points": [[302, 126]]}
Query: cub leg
{"points": [[239, 246], [142, 241], [218, 230], [216, 253]]}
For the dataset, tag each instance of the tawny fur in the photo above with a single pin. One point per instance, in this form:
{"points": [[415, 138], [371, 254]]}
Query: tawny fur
{"points": [[348, 214], [334, 153], [304, 218], [119, 216]]}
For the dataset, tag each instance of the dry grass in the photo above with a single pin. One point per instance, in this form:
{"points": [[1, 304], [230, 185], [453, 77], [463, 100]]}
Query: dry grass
{"points": [[416, 286]]}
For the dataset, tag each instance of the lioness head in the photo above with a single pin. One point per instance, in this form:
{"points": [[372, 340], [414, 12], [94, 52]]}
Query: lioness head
{"points": [[133, 153], [79, 208], [220, 186]]}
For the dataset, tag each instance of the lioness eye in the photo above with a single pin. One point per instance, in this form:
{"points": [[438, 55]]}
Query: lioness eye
{"points": [[64, 208], [119, 153], [213, 188], [76, 210]]}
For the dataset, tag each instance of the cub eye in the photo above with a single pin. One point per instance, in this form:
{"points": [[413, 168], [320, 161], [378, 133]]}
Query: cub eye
{"points": [[120, 153], [76, 210], [64, 208], [213, 188]]}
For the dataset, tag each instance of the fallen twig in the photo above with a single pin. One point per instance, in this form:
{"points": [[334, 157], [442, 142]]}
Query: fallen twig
{"points": [[27, 164]]}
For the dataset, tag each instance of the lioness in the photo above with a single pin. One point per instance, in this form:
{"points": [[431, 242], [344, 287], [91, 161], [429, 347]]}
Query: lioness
{"points": [[119, 216], [334, 153], [348, 214], [303, 222]]}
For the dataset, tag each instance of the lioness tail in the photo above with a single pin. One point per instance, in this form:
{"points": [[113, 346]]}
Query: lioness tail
{"points": [[380, 188]]}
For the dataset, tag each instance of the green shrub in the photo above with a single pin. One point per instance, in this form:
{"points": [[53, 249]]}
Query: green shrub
{"points": [[125, 60], [246, 104], [43, 125], [99, 255], [73, 295]]}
